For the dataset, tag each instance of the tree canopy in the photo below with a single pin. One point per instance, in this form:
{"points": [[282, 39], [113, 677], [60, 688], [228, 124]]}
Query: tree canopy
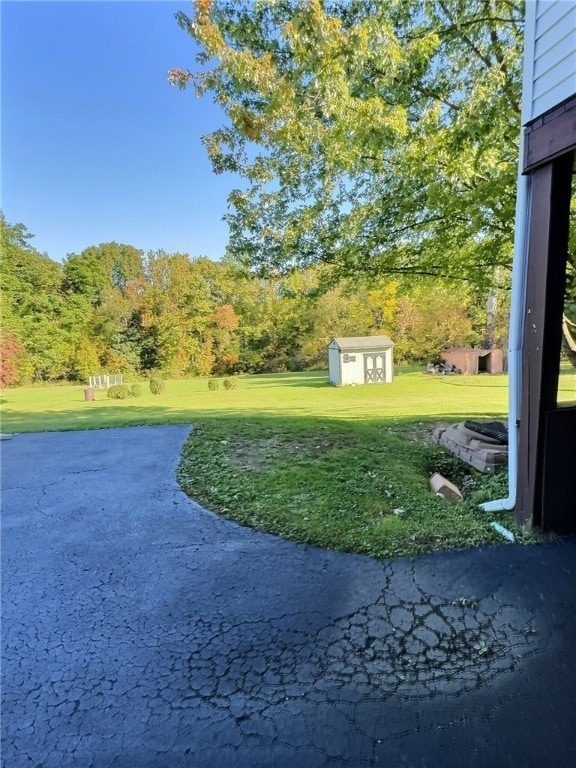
{"points": [[36, 310], [102, 268], [379, 138]]}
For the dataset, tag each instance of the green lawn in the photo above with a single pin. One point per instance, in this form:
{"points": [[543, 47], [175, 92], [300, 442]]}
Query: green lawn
{"points": [[411, 395], [346, 468]]}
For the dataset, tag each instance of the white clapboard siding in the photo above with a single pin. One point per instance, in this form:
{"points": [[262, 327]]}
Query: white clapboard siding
{"points": [[549, 56]]}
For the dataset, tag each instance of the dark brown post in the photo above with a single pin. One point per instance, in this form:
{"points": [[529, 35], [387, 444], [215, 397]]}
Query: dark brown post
{"points": [[546, 277]]}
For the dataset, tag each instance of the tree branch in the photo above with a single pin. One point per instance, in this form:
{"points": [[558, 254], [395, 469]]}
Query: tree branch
{"points": [[458, 26]]}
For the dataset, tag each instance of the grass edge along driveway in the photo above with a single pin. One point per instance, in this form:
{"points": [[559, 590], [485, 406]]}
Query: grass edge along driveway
{"points": [[345, 468], [356, 487]]}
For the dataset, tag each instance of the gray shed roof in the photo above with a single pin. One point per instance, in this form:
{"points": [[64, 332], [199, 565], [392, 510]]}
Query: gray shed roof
{"points": [[362, 342]]}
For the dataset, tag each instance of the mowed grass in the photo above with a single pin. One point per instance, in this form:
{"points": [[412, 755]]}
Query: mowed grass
{"points": [[414, 395], [411, 395], [345, 468]]}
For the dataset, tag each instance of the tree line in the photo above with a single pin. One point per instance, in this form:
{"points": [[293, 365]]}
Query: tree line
{"points": [[114, 309]]}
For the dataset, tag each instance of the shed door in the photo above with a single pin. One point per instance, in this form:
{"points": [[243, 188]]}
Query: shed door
{"points": [[374, 371]]}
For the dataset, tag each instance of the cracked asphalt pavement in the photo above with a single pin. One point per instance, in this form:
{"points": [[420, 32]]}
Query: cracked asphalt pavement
{"points": [[142, 631]]}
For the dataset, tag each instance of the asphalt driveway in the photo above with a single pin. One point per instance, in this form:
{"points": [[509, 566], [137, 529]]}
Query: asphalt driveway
{"points": [[142, 631]]}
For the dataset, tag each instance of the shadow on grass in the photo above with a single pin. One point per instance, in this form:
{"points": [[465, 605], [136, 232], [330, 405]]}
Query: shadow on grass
{"points": [[315, 379], [469, 381], [318, 384], [111, 416]]}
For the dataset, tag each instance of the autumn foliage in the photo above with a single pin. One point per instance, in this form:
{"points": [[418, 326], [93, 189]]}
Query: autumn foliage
{"points": [[11, 355], [114, 309]]}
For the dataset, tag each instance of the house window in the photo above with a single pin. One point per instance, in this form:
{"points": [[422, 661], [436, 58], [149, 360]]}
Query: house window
{"points": [[348, 358]]}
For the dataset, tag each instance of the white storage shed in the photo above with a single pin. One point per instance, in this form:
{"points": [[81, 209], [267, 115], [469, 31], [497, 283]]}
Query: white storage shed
{"points": [[360, 360]]}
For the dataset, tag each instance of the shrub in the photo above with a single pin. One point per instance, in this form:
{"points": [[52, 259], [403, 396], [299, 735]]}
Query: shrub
{"points": [[135, 390], [213, 385], [230, 383], [119, 392], [157, 386]]}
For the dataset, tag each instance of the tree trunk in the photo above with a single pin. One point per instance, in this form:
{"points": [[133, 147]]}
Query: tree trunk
{"points": [[491, 310]]}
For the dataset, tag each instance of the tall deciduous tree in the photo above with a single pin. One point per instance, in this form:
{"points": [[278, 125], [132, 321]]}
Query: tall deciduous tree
{"points": [[35, 306], [109, 276], [378, 137], [100, 268]]}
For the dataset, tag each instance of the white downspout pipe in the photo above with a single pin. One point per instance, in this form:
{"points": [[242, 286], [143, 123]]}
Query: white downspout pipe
{"points": [[515, 336], [519, 267]]}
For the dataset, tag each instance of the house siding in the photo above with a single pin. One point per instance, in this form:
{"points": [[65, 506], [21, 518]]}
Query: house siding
{"points": [[550, 60]]}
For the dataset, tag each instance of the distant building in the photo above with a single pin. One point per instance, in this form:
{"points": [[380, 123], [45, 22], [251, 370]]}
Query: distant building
{"points": [[471, 361], [360, 360]]}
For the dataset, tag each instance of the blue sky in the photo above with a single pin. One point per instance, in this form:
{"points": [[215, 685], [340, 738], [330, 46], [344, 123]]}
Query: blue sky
{"points": [[96, 145]]}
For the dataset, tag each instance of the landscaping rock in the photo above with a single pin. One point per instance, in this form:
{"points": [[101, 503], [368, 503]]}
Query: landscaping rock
{"points": [[443, 487]]}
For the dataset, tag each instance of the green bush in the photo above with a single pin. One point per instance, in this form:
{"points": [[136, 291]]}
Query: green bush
{"points": [[213, 385], [157, 386], [135, 390], [230, 383], [119, 392]]}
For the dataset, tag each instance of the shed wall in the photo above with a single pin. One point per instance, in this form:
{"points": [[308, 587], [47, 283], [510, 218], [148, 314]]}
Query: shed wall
{"points": [[389, 366], [466, 361], [353, 371], [495, 361], [334, 371]]}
